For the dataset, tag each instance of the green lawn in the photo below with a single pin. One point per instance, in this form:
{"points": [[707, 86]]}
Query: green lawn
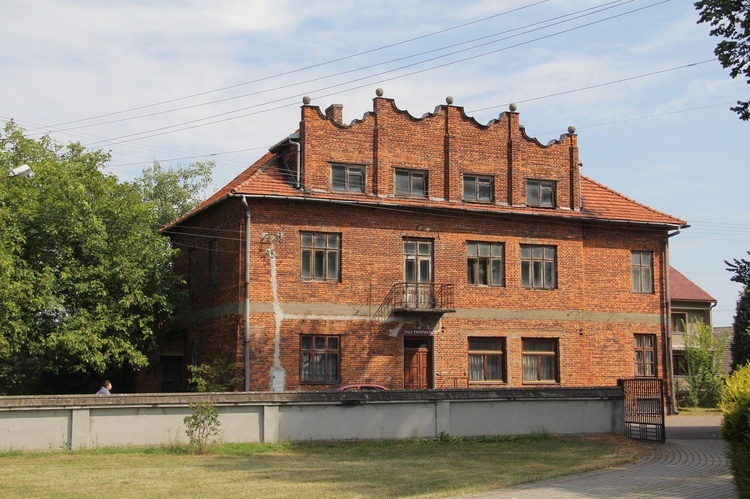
{"points": [[413, 468]]}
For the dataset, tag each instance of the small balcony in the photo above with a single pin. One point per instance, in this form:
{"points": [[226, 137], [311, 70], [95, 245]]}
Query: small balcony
{"points": [[410, 298]]}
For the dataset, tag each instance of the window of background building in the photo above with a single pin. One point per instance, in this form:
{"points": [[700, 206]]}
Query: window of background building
{"points": [[538, 267], [349, 178], [642, 272], [319, 359], [192, 269], [539, 360], [679, 363], [540, 193], [679, 322], [485, 264], [320, 255], [411, 183], [478, 188], [213, 262], [486, 359], [645, 355]]}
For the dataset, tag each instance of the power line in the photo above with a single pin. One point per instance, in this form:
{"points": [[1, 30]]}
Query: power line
{"points": [[166, 129], [606, 6], [312, 66]]}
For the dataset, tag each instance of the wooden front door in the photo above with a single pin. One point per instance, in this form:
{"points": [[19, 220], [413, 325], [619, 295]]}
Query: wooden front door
{"points": [[417, 364]]}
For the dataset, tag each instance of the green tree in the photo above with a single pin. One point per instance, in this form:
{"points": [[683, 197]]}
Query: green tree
{"points": [[175, 191], [730, 21], [703, 353], [85, 280], [741, 339]]}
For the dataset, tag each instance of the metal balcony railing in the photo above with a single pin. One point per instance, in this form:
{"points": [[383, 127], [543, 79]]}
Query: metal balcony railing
{"points": [[411, 297]]}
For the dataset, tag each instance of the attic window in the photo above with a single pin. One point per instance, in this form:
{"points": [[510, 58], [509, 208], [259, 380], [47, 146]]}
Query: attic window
{"points": [[411, 183], [349, 178], [540, 193]]}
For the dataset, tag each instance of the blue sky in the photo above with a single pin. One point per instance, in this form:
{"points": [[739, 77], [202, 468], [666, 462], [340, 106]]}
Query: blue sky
{"points": [[182, 81]]}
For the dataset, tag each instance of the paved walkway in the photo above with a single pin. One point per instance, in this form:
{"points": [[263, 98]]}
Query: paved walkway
{"points": [[692, 464]]}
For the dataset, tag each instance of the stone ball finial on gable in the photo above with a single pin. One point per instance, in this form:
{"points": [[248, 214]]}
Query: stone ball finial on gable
{"points": [[449, 100], [571, 129], [306, 100], [513, 108], [379, 92]]}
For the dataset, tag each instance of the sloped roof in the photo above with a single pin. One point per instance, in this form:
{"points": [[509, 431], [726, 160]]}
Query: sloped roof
{"points": [[271, 177], [683, 289]]}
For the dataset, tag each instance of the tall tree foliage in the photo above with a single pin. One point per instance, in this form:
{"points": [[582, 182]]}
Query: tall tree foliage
{"points": [[741, 339], [175, 191], [730, 21], [85, 280]]}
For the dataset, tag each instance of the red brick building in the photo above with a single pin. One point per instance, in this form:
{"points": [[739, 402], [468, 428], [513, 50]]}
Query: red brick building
{"points": [[431, 252]]}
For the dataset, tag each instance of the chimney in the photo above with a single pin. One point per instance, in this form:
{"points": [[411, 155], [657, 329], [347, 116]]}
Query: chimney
{"points": [[336, 113]]}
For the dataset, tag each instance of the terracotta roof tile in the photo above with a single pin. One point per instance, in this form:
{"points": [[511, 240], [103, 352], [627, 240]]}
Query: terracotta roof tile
{"points": [[269, 176], [683, 289]]}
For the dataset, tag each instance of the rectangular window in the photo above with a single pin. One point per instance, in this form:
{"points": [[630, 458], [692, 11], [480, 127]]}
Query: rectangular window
{"points": [[645, 355], [213, 262], [679, 363], [540, 360], [486, 359], [411, 183], [478, 188], [679, 322], [538, 267], [485, 264], [319, 359], [321, 256], [350, 178], [642, 272], [540, 193]]}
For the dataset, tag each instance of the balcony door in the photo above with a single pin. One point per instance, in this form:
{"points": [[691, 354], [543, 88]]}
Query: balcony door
{"points": [[418, 273]]}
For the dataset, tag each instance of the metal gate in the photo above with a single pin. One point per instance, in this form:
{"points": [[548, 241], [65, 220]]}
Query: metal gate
{"points": [[644, 408]]}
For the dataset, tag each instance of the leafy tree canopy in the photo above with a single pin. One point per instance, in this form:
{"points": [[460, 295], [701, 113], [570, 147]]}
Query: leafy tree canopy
{"points": [[730, 21], [175, 191], [741, 340], [85, 280]]}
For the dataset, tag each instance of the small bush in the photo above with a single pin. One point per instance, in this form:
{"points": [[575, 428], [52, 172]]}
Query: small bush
{"points": [[735, 426], [202, 425]]}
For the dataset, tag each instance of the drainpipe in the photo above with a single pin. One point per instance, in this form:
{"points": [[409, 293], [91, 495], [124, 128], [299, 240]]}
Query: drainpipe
{"points": [[247, 293], [299, 159], [668, 324]]}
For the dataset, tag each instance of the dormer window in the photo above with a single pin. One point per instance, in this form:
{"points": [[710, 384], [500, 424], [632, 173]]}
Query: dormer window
{"points": [[349, 178], [478, 188], [540, 193], [411, 183]]}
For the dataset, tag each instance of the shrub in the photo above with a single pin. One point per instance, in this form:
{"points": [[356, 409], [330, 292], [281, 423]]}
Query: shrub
{"points": [[202, 425], [735, 426]]}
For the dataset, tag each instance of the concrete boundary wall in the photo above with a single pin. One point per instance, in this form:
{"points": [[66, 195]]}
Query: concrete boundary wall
{"points": [[85, 421]]}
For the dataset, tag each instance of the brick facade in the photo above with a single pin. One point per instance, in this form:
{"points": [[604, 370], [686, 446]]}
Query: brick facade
{"points": [[590, 312]]}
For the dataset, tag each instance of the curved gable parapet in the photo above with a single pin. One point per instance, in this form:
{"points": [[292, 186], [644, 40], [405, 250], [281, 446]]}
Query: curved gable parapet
{"points": [[551, 143], [324, 117], [502, 117], [404, 113]]}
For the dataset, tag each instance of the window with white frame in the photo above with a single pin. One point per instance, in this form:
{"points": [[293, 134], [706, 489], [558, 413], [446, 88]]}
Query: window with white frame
{"points": [[538, 267], [485, 264], [320, 256]]}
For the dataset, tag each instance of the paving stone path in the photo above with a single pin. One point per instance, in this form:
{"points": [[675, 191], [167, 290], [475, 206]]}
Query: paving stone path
{"points": [[692, 464]]}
